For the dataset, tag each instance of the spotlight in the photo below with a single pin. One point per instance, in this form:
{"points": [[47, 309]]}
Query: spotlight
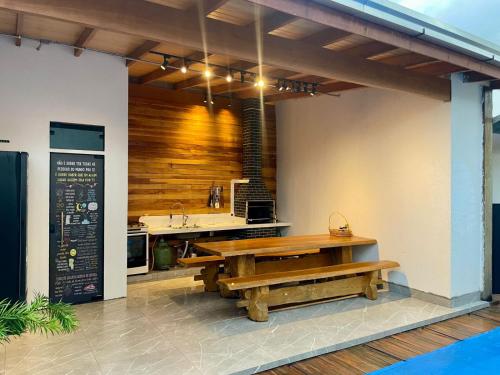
{"points": [[207, 73], [184, 67], [314, 89], [259, 83], [229, 76], [288, 86], [254, 78], [205, 100], [164, 65], [281, 85]]}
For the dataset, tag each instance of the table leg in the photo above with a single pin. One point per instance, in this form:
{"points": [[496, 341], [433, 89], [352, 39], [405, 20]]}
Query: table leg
{"points": [[242, 265], [346, 254], [339, 255]]}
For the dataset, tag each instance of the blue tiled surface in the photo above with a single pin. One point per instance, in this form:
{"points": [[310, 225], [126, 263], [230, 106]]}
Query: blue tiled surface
{"points": [[476, 355]]}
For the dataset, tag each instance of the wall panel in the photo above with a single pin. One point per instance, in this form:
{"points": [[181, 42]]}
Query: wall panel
{"points": [[178, 148]]}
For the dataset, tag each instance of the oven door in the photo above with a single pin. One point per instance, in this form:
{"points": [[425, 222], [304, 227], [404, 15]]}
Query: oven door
{"points": [[137, 253]]}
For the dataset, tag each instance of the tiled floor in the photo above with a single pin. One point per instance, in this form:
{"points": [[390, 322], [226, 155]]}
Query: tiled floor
{"points": [[173, 327]]}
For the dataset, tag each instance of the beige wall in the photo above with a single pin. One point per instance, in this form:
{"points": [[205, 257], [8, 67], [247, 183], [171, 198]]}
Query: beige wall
{"points": [[381, 158]]}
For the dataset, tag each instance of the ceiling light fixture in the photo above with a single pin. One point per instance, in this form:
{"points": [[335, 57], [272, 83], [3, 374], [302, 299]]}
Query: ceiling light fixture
{"points": [[314, 89], [184, 68], [229, 76], [164, 65], [207, 73], [205, 100], [259, 83]]}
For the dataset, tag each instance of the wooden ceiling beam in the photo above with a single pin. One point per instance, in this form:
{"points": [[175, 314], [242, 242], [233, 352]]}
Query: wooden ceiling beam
{"points": [[85, 37], [407, 60], [141, 51], [368, 50], [172, 68], [274, 22], [147, 21], [325, 37], [437, 68], [327, 16], [210, 6], [19, 28]]}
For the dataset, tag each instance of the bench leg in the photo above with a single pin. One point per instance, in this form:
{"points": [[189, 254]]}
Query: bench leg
{"points": [[257, 307], [371, 287], [223, 292]]}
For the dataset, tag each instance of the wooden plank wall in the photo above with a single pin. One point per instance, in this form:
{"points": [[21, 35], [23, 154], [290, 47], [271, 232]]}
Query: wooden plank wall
{"points": [[177, 149]]}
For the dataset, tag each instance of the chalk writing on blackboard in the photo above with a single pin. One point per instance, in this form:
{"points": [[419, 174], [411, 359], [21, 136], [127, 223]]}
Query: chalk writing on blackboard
{"points": [[77, 227]]}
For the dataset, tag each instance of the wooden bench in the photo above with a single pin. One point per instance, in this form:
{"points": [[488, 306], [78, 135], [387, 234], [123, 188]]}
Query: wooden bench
{"points": [[210, 273], [257, 296]]}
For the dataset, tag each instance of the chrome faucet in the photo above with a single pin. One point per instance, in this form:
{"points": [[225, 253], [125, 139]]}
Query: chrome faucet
{"points": [[184, 216]]}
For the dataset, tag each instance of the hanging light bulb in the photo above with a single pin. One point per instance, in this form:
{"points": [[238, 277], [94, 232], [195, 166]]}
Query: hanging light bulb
{"points": [[207, 73], [259, 83], [184, 68], [229, 76]]}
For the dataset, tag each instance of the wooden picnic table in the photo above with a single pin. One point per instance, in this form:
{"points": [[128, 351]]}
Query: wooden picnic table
{"points": [[282, 271], [240, 254]]}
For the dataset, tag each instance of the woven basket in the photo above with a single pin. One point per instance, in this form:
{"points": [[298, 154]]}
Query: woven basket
{"points": [[343, 231]]}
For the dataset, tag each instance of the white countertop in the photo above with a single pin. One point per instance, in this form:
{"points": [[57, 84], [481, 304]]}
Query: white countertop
{"points": [[212, 228]]}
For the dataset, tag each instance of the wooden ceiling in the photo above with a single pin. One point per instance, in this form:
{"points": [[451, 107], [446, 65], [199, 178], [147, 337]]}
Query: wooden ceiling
{"points": [[378, 62]]}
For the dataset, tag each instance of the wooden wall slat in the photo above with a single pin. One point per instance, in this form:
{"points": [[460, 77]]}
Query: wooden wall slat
{"points": [[177, 149]]}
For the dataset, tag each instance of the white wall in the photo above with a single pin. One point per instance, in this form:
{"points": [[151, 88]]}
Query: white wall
{"points": [[496, 102], [466, 187], [37, 87], [406, 170], [496, 151], [495, 165], [383, 159]]}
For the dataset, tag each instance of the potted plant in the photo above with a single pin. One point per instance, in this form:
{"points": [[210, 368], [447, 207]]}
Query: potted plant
{"points": [[39, 316]]}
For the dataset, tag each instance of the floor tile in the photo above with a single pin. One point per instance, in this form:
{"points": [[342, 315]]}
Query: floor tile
{"points": [[174, 327]]}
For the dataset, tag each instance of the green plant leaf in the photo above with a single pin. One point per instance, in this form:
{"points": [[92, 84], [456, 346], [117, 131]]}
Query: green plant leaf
{"points": [[41, 316]]}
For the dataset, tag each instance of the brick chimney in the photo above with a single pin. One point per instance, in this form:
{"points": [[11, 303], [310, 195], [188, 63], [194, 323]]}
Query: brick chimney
{"points": [[252, 158]]}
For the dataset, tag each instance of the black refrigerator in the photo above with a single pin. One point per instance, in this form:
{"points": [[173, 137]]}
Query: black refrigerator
{"points": [[13, 184]]}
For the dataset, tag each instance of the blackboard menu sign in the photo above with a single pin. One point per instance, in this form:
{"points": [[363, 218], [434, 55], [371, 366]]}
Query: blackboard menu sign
{"points": [[76, 227]]}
